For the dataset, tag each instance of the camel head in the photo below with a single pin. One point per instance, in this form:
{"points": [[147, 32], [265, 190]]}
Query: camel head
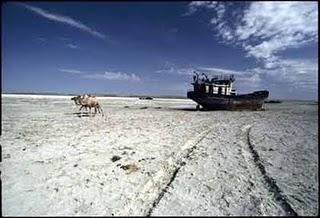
{"points": [[76, 99]]}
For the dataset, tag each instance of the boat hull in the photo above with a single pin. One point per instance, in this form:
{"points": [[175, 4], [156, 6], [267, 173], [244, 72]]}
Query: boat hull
{"points": [[252, 101]]}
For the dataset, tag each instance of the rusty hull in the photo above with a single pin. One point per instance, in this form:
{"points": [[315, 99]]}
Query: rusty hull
{"points": [[252, 101]]}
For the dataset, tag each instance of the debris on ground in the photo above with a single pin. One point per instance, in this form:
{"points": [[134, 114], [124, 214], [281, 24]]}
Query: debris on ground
{"points": [[115, 158], [130, 168]]}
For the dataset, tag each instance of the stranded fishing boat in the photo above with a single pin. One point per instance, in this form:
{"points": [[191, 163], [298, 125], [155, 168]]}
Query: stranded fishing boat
{"points": [[217, 94]]}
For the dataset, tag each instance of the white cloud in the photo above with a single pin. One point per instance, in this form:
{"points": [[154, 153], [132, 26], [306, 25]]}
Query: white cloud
{"points": [[298, 72], [108, 75], [215, 70], [63, 19], [64, 38], [174, 70], [72, 46], [42, 39], [114, 76], [300, 75], [278, 26], [195, 5], [71, 71], [266, 28], [171, 68]]}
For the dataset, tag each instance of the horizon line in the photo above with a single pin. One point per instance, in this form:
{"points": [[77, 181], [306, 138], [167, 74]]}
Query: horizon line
{"points": [[130, 95]]}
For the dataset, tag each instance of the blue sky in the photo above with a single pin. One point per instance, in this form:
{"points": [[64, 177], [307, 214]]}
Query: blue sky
{"points": [[152, 48]]}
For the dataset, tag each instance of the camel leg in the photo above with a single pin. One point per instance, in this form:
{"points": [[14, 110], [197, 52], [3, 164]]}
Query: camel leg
{"points": [[101, 110], [98, 108], [84, 106]]}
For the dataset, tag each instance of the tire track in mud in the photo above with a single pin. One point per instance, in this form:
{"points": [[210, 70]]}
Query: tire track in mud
{"points": [[146, 200], [271, 183]]}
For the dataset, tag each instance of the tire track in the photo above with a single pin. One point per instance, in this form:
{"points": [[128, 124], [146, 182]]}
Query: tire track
{"points": [[271, 183], [146, 200]]}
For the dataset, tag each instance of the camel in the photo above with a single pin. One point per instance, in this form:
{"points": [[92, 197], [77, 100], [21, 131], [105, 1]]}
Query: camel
{"points": [[88, 101]]}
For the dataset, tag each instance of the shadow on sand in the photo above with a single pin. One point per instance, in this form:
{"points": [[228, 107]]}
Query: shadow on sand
{"points": [[207, 109], [82, 114], [187, 109]]}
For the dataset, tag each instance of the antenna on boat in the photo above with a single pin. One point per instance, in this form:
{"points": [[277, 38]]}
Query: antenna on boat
{"points": [[195, 78], [205, 76]]}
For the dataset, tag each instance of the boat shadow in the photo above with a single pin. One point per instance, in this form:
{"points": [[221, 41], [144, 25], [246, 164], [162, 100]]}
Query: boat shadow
{"points": [[187, 109], [212, 110]]}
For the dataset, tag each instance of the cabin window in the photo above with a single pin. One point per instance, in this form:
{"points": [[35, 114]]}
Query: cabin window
{"points": [[215, 90], [228, 91]]}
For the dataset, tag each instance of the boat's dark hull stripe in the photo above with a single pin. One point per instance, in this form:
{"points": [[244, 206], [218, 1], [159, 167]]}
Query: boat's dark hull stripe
{"points": [[252, 101]]}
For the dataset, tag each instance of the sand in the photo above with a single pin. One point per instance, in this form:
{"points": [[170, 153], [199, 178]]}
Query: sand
{"points": [[157, 157]]}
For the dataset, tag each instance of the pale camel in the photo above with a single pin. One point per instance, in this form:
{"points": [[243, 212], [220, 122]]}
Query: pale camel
{"points": [[90, 101]]}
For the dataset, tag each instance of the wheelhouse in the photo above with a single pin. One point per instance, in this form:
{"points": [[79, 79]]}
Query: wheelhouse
{"points": [[216, 85]]}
